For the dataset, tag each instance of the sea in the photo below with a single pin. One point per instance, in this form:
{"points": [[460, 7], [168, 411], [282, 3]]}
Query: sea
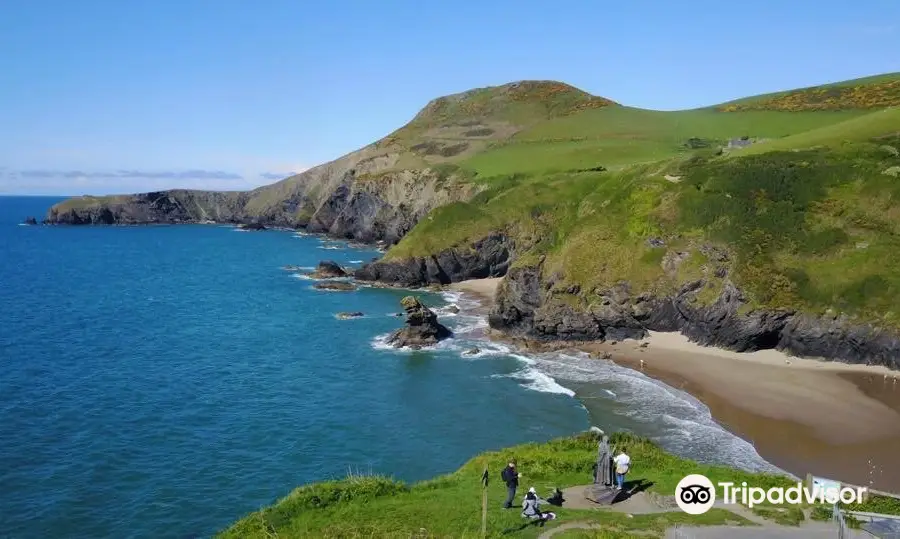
{"points": [[165, 381]]}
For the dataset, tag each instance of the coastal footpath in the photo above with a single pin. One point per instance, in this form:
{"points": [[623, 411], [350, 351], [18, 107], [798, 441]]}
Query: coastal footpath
{"points": [[764, 223]]}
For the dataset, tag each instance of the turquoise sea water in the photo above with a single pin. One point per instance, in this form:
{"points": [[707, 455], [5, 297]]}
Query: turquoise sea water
{"points": [[163, 381]]}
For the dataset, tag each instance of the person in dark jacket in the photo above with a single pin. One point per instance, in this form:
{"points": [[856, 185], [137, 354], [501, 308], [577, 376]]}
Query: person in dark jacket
{"points": [[510, 476]]}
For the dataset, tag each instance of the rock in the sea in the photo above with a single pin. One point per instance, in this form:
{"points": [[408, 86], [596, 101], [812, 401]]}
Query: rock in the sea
{"points": [[422, 326], [472, 351], [452, 309], [328, 269], [29, 221], [253, 226], [346, 316], [335, 285]]}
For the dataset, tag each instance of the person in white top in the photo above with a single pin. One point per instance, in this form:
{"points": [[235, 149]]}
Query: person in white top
{"points": [[623, 465]]}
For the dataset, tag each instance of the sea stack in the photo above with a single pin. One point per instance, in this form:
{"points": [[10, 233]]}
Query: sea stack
{"points": [[328, 269], [422, 326]]}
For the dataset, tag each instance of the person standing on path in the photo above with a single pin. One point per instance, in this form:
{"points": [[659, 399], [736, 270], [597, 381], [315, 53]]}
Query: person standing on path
{"points": [[511, 477], [623, 465]]}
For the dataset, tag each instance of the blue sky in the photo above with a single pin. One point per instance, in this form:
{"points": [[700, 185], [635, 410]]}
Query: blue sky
{"points": [[121, 96]]}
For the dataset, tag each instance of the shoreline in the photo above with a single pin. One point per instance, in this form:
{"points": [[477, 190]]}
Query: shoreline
{"points": [[831, 419]]}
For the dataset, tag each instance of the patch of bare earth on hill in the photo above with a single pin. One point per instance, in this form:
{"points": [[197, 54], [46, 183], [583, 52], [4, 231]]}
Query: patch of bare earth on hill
{"points": [[472, 129]]}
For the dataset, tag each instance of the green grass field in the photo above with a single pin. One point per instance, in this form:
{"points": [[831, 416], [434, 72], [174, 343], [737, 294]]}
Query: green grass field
{"points": [[808, 213], [815, 229], [450, 505]]}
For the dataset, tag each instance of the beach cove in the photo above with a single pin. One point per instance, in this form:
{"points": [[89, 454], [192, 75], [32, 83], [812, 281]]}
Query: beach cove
{"points": [[272, 386], [831, 419]]}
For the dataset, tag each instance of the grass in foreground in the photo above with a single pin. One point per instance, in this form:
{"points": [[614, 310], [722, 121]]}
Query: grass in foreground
{"points": [[450, 505]]}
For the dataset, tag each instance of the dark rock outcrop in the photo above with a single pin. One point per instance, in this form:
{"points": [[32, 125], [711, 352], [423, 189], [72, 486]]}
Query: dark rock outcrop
{"points": [[253, 226], [529, 306], [328, 269], [339, 286], [29, 221], [177, 206], [347, 316], [488, 257], [422, 326]]}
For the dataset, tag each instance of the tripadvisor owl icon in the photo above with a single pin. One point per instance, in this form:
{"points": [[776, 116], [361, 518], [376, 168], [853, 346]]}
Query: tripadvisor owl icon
{"points": [[695, 494]]}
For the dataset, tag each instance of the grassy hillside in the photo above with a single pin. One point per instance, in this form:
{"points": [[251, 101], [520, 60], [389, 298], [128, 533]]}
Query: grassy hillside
{"points": [[799, 189], [874, 92], [616, 136], [450, 505], [808, 213]]}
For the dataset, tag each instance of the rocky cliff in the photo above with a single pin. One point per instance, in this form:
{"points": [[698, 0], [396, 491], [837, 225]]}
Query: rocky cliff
{"points": [[361, 196], [529, 305], [377, 193], [488, 257], [537, 306]]}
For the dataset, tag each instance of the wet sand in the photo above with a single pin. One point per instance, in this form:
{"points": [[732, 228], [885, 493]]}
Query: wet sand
{"points": [[830, 419], [485, 289]]}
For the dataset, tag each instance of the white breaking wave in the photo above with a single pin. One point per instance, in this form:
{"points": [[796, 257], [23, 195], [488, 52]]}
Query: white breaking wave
{"points": [[675, 419], [356, 261], [451, 296], [684, 424], [537, 381]]}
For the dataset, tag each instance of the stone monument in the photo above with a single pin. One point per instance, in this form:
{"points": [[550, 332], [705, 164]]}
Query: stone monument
{"points": [[602, 491]]}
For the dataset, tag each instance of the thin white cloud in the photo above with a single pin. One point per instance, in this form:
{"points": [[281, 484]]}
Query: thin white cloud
{"points": [[99, 182]]}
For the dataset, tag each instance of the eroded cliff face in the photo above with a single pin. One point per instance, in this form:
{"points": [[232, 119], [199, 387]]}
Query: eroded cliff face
{"points": [[384, 207], [177, 206], [488, 257], [360, 196], [529, 305], [533, 305]]}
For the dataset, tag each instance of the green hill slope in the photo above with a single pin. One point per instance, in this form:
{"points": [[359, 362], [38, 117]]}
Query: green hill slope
{"points": [[795, 191], [796, 211], [874, 92], [450, 505]]}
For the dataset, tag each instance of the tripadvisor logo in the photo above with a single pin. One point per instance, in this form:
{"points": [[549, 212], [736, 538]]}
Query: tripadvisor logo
{"points": [[696, 494]]}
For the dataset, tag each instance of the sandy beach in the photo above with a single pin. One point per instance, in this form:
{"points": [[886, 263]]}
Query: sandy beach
{"points": [[827, 418], [806, 416], [485, 289]]}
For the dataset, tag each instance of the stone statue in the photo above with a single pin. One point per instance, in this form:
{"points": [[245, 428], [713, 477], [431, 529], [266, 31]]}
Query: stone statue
{"points": [[603, 474], [602, 491]]}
